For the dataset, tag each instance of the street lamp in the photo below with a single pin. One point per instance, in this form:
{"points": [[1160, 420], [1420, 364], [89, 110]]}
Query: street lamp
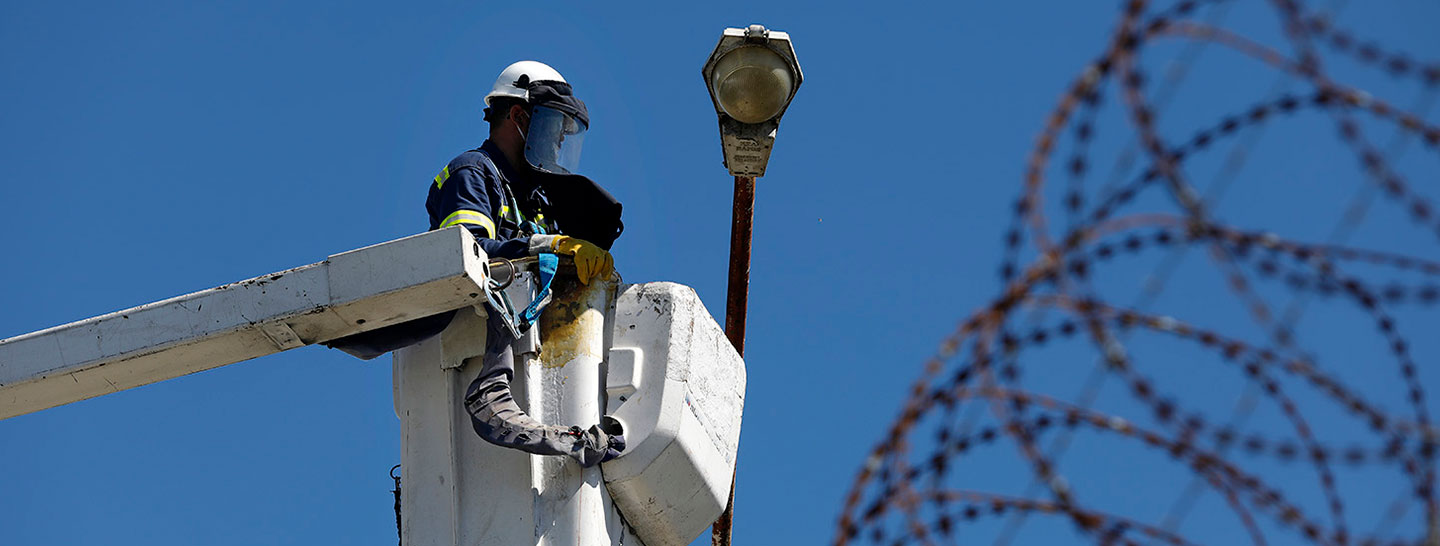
{"points": [[752, 75]]}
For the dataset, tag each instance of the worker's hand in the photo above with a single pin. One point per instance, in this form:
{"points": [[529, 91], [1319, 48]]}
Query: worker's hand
{"points": [[591, 262]]}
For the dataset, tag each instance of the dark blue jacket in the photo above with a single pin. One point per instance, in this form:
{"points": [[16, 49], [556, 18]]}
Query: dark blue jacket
{"points": [[472, 192]]}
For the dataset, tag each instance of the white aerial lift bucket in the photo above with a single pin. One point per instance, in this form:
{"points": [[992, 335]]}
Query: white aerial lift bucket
{"points": [[678, 386]]}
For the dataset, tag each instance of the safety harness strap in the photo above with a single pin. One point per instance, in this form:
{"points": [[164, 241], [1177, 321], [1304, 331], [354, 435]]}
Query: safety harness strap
{"points": [[518, 322], [547, 264], [521, 321]]}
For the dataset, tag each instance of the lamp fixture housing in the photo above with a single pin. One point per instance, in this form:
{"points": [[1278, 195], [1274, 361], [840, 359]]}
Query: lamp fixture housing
{"points": [[752, 76]]}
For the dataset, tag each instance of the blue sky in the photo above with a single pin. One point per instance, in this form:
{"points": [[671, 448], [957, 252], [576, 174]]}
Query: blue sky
{"points": [[159, 148]]}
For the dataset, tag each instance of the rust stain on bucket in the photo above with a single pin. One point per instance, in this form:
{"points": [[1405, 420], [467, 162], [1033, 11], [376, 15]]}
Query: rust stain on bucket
{"points": [[573, 325]]}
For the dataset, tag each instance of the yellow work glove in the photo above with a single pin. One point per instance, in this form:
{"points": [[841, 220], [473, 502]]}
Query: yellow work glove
{"points": [[591, 262]]}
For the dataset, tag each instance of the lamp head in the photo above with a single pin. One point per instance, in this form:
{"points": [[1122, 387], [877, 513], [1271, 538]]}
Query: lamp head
{"points": [[752, 75]]}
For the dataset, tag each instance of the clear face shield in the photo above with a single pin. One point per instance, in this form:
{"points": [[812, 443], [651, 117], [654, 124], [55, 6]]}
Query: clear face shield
{"points": [[553, 141]]}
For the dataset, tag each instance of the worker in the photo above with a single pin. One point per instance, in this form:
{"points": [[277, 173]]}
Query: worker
{"points": [[502, 192], [519, 195]]}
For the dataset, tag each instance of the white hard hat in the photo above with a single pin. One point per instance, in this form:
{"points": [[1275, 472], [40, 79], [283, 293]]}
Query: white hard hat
{"points": [[509, 83]]}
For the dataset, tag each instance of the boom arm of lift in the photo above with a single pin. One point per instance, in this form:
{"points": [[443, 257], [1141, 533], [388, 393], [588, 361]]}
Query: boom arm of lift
{"points": [[348, 293]]}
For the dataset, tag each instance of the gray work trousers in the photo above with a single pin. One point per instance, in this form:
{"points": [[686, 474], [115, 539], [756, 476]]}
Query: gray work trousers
{"points": [[500, 421]]}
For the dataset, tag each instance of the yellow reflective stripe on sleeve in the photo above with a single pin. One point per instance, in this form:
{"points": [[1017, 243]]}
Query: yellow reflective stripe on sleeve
{"points": [[463, 216], [442, 177]]}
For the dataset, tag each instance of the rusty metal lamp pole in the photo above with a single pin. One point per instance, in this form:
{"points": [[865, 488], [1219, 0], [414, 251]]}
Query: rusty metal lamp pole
{"points": [[752, 76]]}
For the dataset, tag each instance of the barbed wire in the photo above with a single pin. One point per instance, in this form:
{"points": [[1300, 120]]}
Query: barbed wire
{"points": [[906, 492]]}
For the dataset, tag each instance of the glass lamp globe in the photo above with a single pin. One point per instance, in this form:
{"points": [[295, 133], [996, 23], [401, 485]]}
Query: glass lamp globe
{"points": [[752, 83]]}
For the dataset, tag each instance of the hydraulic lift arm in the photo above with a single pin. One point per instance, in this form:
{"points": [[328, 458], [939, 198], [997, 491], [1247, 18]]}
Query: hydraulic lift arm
{"points": [[348, 293]]}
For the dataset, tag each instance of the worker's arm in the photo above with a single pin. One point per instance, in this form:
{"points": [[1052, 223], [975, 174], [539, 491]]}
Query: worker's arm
{"points": [[469, 198]]}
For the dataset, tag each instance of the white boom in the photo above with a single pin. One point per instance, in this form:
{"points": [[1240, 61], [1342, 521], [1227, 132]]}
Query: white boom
{"points": [[347, 293]]}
